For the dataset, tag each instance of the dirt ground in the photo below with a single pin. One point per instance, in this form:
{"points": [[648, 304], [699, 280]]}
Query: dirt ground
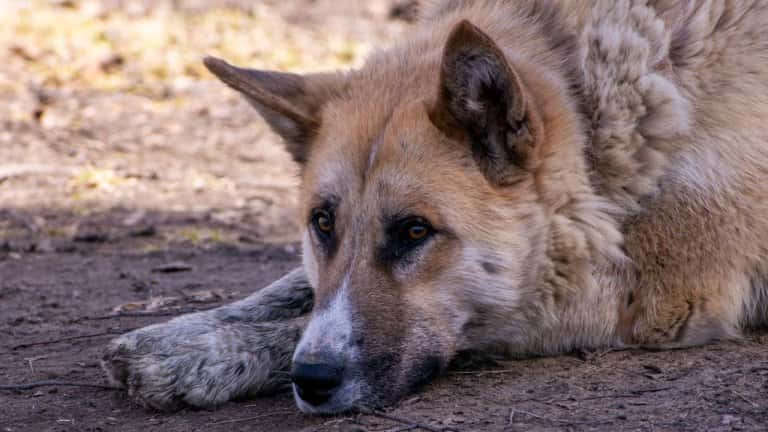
{"points": [[130, 181]]}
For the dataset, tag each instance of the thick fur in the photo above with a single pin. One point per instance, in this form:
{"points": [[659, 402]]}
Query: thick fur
{"points": [[593, 170]]}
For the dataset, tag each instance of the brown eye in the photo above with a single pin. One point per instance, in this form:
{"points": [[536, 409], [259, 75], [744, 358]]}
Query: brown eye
{"points": [[417, 232], [404, 236], [414, 230], [323, 221]]}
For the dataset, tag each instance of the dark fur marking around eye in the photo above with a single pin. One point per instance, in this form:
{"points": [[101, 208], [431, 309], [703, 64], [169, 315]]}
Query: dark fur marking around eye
{"points": [[328, 242], [398, 247]]}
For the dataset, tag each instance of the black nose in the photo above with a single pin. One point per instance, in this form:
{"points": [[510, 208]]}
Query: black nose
{"points": [[316, 382]]}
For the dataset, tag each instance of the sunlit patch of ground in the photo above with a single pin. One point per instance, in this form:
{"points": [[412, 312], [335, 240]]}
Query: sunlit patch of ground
{"points": [[105, 107]]}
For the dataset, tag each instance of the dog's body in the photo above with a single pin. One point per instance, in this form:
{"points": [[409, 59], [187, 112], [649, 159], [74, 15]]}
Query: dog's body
{"points": [[524, 177]]}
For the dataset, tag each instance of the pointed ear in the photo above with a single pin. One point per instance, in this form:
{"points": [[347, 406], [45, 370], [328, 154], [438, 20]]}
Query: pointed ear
{"points": [[481, 99], [289, 103]]}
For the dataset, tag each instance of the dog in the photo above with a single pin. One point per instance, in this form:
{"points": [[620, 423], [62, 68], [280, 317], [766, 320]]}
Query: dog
{"points": [[515, 177]]}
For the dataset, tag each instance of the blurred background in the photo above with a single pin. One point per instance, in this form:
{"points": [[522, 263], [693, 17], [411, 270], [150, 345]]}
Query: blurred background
{"points": [[112, 129]]}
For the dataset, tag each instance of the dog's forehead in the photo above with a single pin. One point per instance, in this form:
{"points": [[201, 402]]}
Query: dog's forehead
{"points": [[365, 145]]}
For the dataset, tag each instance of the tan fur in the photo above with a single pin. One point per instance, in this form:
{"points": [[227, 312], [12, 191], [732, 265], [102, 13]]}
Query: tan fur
{"points": [[613, 197]]}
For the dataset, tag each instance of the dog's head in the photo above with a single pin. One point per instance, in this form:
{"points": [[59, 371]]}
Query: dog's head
{"points": [[422, 220]]}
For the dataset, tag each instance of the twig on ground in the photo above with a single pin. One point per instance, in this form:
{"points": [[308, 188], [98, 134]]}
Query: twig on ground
{"points": [[71, 338], [633, 394], [246, 419], [511, 419], [651, 390], [32, 360], [410, 424], [555, 420], [36, 384], [742, 397], [484, 372], [336, 421]]}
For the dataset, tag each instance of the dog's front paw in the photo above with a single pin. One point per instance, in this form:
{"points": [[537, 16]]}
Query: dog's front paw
{"points": [[136, 361], [196, 362]]}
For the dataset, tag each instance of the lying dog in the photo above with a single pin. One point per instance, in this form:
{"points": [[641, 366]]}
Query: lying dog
{"points": [[516, 177]]}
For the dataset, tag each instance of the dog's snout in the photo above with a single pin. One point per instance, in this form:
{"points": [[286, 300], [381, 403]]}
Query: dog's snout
{"points": [[316, 382]]}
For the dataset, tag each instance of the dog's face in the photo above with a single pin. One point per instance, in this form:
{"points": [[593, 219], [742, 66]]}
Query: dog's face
{"points": [[420, 210], [404, 242]]}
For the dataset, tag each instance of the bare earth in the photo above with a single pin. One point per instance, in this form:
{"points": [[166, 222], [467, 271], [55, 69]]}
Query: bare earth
{"points": [[131, 183]]}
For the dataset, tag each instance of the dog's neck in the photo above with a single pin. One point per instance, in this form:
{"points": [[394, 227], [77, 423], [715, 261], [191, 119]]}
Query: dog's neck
{"points": [[632, 117], [635, 116]]}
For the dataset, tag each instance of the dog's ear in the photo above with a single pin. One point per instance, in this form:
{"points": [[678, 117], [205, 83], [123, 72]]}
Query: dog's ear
{"points": [[289, 103], [481, 99]]}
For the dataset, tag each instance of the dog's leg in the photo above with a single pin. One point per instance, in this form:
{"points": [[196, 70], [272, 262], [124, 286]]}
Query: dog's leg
{"points": [[690, 284], [207, 358]]}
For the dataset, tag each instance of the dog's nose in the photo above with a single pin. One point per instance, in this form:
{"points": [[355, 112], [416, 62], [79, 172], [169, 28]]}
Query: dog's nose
{"points": [[316, 382]]}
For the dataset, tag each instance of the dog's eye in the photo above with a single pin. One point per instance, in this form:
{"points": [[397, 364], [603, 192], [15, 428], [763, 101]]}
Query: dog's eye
{"points": [[323, 221], [417, 232], [404, 236], [414, 230]]}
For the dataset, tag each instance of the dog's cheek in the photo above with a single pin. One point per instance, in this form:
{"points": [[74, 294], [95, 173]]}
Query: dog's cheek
{"points": [[428, 352], [394, 365]]}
